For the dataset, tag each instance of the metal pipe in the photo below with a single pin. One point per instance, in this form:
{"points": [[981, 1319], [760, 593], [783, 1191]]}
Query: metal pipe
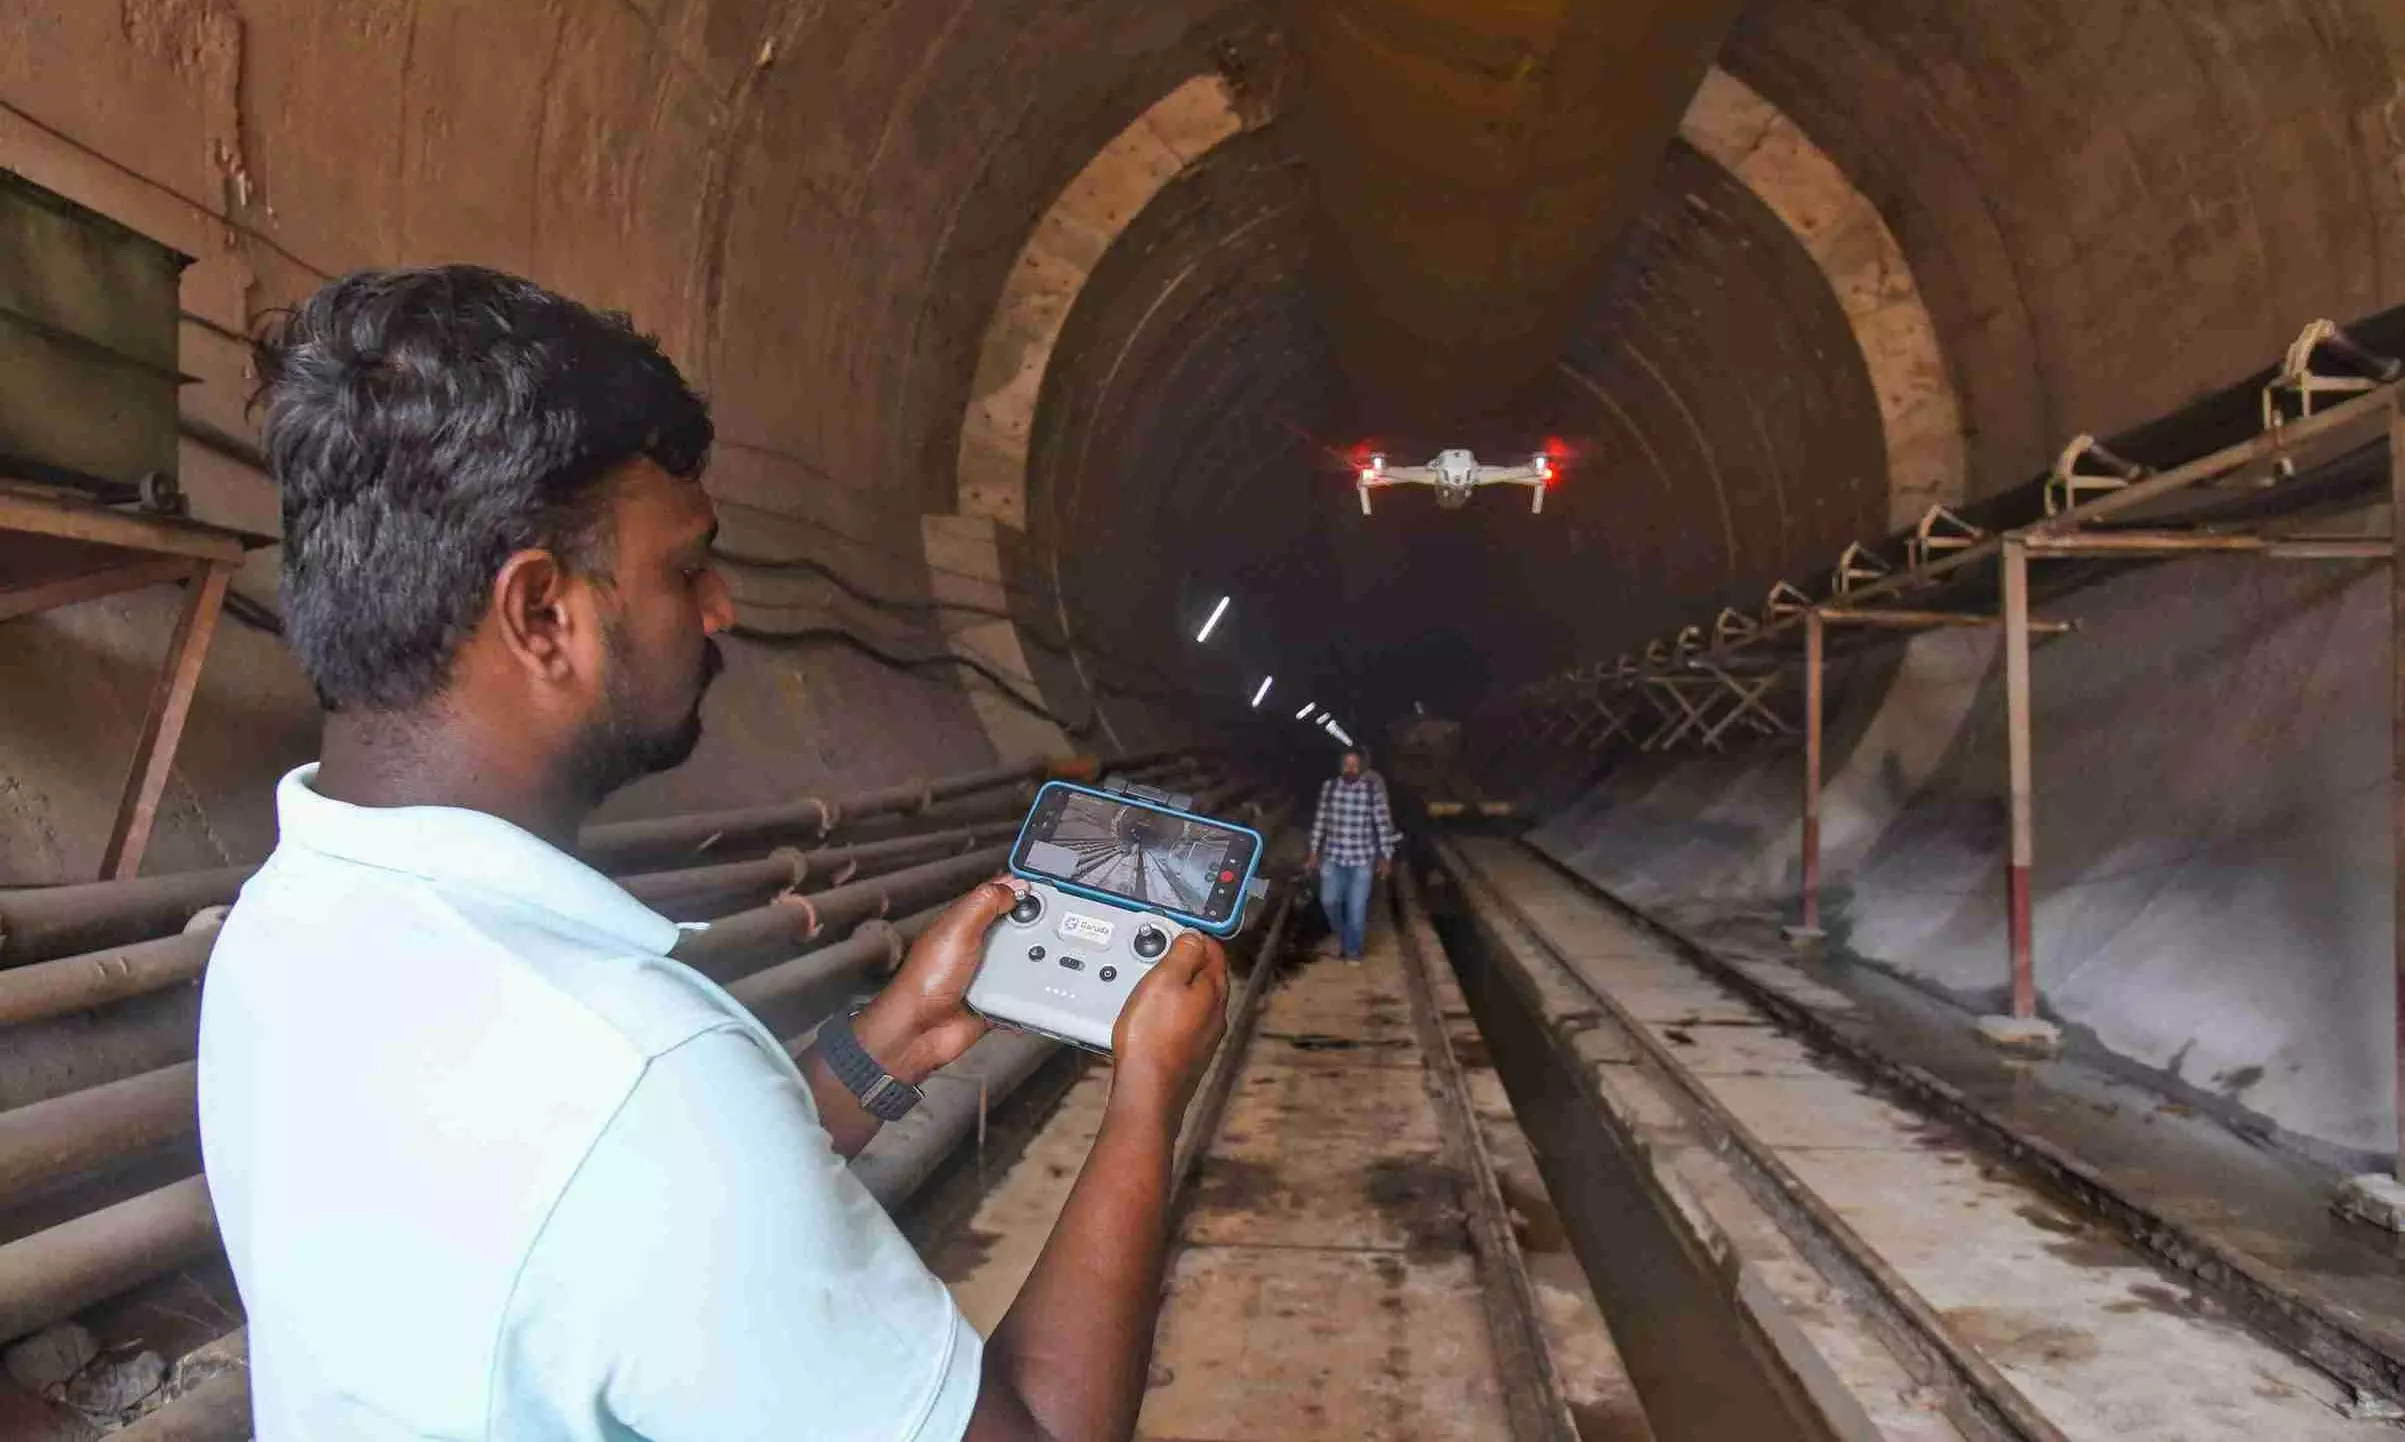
{"points": [[699, 892], [2018, 764], [735, 944], [1815, 642], [81, 1130], [904, 1154], [687, 893], [806, 990], [76, 983], [2139, 543], [41, 922], [625, 842], [55, 1273], [1914, 620], [2146, 543], [912, 888], [2331, 548], [47, 1140]]}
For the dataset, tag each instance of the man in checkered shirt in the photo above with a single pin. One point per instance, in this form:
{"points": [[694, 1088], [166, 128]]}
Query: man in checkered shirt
{"points": [[1352, 842]]}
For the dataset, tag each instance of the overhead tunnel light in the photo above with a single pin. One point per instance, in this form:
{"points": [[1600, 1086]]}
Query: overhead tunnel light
{"points": [[1208, 626], [1305, 713], [1262, 694]]}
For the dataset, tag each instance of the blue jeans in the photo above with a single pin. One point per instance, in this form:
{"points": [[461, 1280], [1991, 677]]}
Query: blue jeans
{"points": [[1345, 892]]}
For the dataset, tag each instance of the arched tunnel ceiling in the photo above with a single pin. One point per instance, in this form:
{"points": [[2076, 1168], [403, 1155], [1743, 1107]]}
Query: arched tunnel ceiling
{"points": [[2106, 207], [2096, 214], [1720, 418]]}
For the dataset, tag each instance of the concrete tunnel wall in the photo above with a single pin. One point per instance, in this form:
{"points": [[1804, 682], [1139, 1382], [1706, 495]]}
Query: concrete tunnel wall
{"points": [[2213, 882], [2110, 212], [813, 206]]}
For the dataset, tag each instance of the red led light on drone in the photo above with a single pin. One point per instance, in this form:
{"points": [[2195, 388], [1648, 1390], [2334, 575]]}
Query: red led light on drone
{"points": [[1552, 459]]}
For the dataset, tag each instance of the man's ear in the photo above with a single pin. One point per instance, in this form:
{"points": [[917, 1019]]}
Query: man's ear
{"points": [[533, 619]]}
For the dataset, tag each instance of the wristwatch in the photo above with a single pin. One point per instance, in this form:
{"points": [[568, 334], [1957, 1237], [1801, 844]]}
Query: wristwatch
{"points": [[881, 1094]]}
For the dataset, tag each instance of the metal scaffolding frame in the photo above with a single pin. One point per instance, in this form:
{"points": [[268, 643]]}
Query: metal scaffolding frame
{"points": [[2314, 412], [81, 551]]}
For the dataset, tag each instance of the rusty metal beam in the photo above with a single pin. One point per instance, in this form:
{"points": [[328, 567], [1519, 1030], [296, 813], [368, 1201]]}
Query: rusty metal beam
{"points": [[2149, 543], [37, 596], [170, 704], [75, 520], [1929, 620], [2018, 766]]}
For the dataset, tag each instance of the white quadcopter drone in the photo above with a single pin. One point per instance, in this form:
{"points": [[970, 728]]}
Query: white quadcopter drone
{"points": [[1455, 474]]}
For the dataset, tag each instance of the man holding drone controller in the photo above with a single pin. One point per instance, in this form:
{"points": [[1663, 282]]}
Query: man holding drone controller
{"points": [[1353, 841], [543, 1181]]}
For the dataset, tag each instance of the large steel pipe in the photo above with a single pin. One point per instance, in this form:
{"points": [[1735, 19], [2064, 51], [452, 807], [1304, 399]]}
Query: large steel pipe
{"points": [[978, 798], [699, 892], [43, 922], [900, 1158], [40, 922], [735, 944], [803, 991], [48, 1140], [894, 1165], [623, 842], [75, 983], [56, 1273], [83, 1130], [909, 889]]}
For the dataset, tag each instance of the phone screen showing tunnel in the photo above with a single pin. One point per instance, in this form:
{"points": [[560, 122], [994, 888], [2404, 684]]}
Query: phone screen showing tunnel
{"points": [[1150, 857]]}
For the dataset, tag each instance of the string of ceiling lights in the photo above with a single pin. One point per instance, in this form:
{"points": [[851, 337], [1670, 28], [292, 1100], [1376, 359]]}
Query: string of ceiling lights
{"points": [[1311, 712]]}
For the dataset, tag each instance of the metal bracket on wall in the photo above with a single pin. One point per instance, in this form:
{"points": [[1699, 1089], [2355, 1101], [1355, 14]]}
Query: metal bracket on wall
{"points": [[2073, 478]]}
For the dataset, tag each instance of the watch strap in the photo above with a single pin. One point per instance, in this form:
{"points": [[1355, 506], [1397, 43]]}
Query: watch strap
{"points": [[880, 1094]]}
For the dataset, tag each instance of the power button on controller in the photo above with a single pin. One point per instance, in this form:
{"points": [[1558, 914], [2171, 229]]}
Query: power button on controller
{"points": [[1109, 973]]}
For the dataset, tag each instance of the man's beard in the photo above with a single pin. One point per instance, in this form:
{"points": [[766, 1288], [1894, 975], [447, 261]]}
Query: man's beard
{"points": [[616, 748]]}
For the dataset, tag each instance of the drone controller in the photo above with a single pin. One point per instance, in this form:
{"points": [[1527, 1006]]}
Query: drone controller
{"points": [[1114, 879]]}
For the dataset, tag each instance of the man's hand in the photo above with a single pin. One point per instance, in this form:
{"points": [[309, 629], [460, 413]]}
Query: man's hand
{"points": [[1385, 868], [1170, 1027], [1311, 861], [920, 1023], [1068, 1361]]}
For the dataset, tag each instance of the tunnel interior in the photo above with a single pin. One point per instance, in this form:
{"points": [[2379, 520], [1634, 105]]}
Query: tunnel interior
{"points": [[1047, 343]]}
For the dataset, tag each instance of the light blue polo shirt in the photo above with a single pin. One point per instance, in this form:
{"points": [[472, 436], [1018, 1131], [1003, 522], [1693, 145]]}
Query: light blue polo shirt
{"points": [[490, 1166]]}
